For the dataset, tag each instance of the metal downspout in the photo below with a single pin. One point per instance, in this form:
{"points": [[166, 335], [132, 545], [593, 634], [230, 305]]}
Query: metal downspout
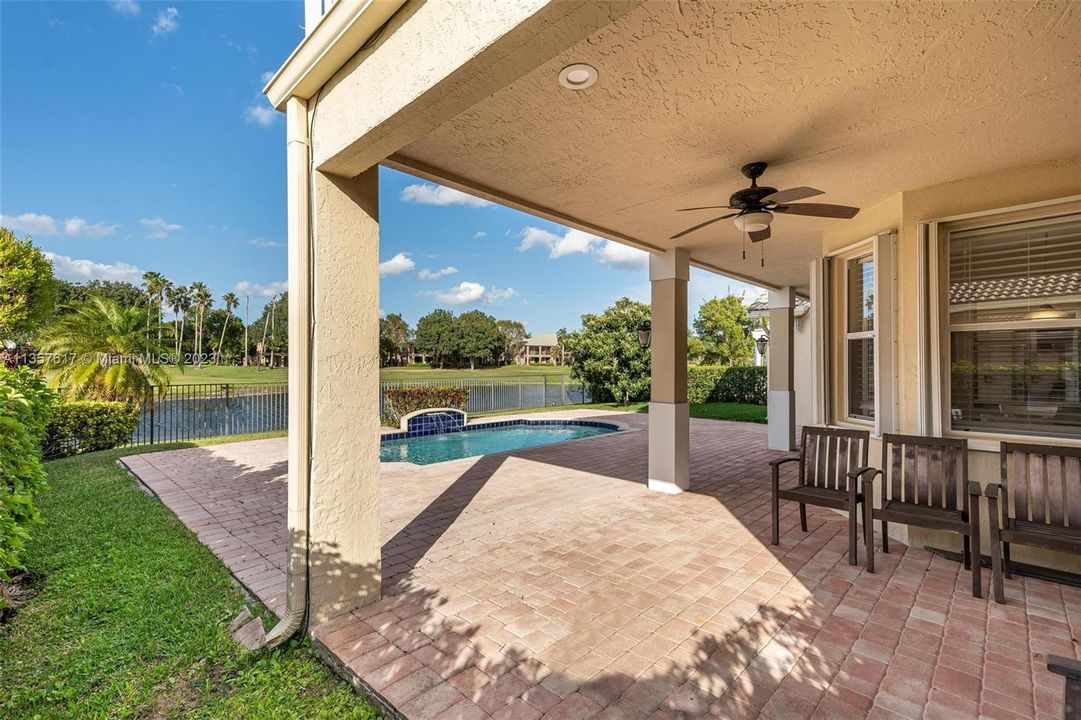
{"points": [[299, 181]]}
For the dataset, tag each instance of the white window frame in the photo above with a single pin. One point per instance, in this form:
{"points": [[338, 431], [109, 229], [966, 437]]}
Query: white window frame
{"points": [[935, 343], [883, 247], [849, 335]]}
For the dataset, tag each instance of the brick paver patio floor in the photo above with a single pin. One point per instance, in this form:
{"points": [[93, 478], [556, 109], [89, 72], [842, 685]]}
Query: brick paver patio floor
{"points": [[551, 583]]}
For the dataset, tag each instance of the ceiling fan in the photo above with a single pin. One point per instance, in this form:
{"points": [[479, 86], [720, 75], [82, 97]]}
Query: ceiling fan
{"points": [[756, 205]]}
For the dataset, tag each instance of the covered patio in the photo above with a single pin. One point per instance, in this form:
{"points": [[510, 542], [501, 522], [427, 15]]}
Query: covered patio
{"points": [[551, 582]]}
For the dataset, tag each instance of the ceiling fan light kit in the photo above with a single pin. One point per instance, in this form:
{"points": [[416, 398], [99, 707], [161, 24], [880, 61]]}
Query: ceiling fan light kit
{"points": [[756, 205]]}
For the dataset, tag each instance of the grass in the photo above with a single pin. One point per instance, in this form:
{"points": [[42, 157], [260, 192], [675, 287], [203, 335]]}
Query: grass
{"points": [[235, 374], [711, 411], [131, 618]]}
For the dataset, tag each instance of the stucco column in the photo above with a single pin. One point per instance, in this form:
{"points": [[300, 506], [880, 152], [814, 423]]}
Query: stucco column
{"points": [[669, 415], [781, 406], [345, 525]]}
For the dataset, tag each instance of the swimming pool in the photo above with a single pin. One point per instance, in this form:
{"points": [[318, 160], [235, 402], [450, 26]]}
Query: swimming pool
{"points": [[487, 438]]}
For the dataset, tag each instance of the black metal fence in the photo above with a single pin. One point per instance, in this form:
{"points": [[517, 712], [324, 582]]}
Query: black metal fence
{"points": [[191, 412]]}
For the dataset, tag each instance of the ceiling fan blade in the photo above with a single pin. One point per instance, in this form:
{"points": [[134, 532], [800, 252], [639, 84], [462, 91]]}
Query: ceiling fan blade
{"points": [[798, 193], [818, 210], [705, 207], [699, 226], [759, 235]]}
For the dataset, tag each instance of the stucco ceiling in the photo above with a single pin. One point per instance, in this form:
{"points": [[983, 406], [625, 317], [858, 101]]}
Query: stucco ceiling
{"points": [[862, 100]]}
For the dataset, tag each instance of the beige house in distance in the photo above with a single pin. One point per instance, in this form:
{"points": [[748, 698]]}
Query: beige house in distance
{"points": [[540, 349], [948, 306]]}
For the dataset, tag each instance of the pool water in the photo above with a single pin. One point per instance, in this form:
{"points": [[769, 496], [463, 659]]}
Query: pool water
{"points": [[468, 443]]}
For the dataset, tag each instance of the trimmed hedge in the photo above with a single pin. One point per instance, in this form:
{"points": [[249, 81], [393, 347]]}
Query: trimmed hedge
{"points": [[402, 401], [90, 425], [721, 383], [25, 407]]}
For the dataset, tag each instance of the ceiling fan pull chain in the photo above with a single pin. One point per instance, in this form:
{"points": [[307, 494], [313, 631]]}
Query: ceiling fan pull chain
{"points": [[744, 244], [763, 253]]}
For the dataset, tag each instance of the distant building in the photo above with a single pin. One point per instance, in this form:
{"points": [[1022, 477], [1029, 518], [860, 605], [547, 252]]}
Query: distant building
{"points": [[540, 349]]}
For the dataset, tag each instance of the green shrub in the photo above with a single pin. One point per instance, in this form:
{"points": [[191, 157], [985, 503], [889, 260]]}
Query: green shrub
{"points": [[720, 383], [90, 425], [25, 407], [402, 401]]}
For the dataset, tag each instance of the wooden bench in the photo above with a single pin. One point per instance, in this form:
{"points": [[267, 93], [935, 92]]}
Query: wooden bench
{"points": [[1071, 697], [925, 484], [1040, 491], [827, 457]]}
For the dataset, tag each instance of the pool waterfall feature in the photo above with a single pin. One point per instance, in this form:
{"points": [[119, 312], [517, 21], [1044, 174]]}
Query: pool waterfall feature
{"points": [[441, 434]]}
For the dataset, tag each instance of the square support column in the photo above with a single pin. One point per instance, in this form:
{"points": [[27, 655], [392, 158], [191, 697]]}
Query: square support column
{"points": [[333, 516], [781, 401], [669, 414]]}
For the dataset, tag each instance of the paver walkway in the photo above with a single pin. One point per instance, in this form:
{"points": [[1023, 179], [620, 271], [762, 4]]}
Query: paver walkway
{"points": [[550, 582]]}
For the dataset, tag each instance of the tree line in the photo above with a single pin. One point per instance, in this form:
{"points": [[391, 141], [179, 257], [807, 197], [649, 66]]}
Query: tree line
{"points": [[448, 340]]}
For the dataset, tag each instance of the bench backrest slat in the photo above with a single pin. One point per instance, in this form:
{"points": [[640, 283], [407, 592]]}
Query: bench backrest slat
{"points": [[925, 471], [1043, 483], [827, 455]]}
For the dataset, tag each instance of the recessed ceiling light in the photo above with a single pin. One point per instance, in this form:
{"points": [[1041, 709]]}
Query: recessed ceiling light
{"points": [[578, 76]]}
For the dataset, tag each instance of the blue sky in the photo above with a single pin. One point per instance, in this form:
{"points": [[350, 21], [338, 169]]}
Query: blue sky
{"points": [[134, 137]]}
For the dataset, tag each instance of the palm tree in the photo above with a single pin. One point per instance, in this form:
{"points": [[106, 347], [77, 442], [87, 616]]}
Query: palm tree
{"points": [[96, 352], [202, 300], [179, 299], [152, 284], [231, 304]]}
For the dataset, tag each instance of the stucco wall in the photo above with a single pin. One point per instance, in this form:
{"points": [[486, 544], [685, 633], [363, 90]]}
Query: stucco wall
{"points": [[904, 211]]}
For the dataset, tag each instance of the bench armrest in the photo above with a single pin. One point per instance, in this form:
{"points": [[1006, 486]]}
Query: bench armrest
{"points": [[992, 490], [1064, 666], [861, 471], [974, 488], [778, 463]]}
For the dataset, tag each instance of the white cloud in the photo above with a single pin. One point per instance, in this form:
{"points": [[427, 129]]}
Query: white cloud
{"points": [[125, 7], [427, 274], [37, 224], [479, 234], [397, 265], [265, 77], [261, 114], [158, 228], [622, 256], [67, 268], [246, 287], [431, 194], [573, 242], [260, 243], [470, 293], [168, 21]]}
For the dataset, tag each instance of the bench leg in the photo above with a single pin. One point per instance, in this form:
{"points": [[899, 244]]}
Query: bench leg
{"points": [[1006, 560], [852, 533], [885, 537], [996, 552], [966, 555], [977, 559], [869, 536], [775, 538], [803, 517]]}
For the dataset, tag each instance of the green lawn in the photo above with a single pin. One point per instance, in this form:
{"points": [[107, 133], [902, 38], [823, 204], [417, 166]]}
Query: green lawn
{"points": [[231, 374], [711, 411], [131, 618]]}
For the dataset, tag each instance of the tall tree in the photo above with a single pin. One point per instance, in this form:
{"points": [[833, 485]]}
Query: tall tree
{"points": [[724, 327], [606, 355], [514, 338], [154, 284], [231, 304], [202, 301], [437, 336], [478, 337], [393, 337], [28, 290], [97, 352], [179, 299]]}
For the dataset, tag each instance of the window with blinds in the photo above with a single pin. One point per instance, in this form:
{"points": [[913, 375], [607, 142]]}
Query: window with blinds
{"points": [[860, 337], [1015, 327]]}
